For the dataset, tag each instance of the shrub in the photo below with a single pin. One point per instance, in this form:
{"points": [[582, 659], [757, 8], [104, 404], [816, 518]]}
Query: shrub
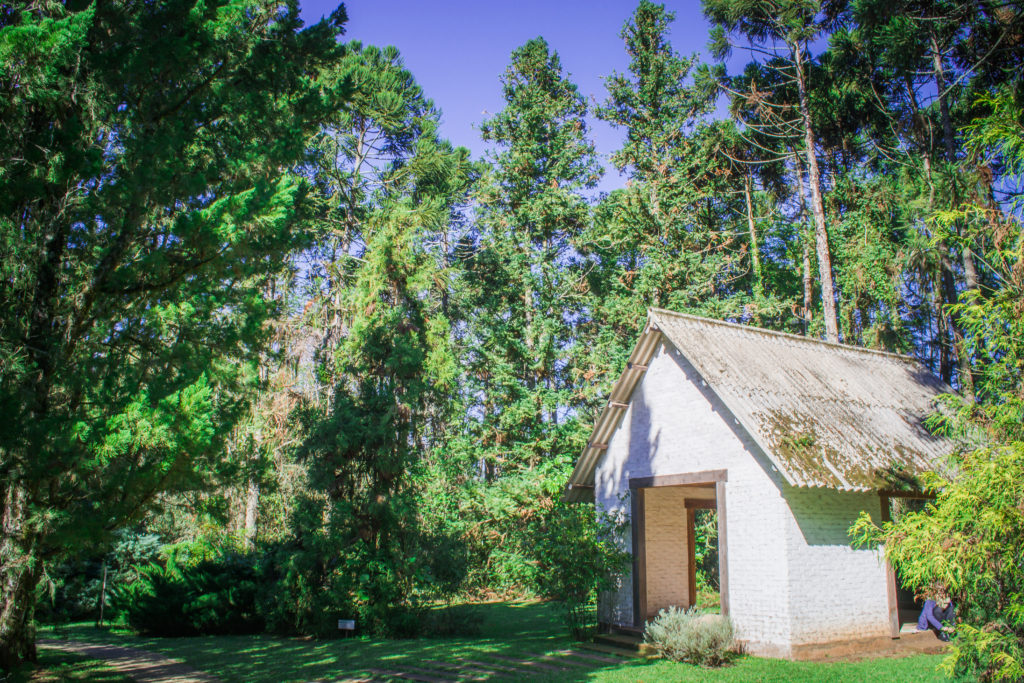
{"points": [[969, 542], [577, 556], [326, 572], [212, 596], [71, 590], [692, 635]]}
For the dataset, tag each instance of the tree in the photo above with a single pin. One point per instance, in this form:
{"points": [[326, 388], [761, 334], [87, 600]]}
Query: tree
{"points": [[144, 203], [783, 30], [523, 286], [578, 555], [387, 183], [970, 540]]}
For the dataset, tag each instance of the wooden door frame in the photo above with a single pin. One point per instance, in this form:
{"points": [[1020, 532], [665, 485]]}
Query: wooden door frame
{"points": [[637, 485]]}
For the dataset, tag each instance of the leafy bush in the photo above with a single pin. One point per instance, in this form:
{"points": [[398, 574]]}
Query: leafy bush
{"points": [[212, 596], [968, 543], [577, 556], [691, 635], [706, 549], [71, 590], [326, 572]]}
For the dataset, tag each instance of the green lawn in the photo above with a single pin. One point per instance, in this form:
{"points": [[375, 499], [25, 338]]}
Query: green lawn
{"points": [[521, 631], [57, 667]]}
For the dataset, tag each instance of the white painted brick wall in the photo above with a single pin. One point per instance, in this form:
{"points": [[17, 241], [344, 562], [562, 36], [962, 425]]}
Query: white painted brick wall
{"points": [[793, 578], [836, 592]]}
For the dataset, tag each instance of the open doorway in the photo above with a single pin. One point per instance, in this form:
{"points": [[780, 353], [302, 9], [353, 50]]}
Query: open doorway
{"points": [[678, 530], [705, 582], [904, 606]]}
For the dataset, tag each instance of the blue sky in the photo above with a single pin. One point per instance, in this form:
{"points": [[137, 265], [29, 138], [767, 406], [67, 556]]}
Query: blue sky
{"points": [[457, 49]]}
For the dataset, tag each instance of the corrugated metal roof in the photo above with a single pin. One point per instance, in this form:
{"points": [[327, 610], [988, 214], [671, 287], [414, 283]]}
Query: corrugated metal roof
{"points": [[827, 415]]}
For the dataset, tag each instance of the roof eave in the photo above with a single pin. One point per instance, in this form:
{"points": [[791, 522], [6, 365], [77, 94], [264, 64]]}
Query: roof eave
{"points": [[582, 478]]}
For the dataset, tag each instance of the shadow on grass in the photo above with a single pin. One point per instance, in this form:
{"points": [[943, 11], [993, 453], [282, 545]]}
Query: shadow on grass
{"points": [[521, 631], [54, 667]]}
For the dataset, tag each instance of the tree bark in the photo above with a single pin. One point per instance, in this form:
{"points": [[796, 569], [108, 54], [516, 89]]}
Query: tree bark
{"points": [[19, 575], [808, 277], [755, 252], [966, 256], [252, 507], [828, 297]]}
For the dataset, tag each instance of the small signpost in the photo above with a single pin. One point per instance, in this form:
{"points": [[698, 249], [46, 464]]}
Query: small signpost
{"points": [[347, 625]]}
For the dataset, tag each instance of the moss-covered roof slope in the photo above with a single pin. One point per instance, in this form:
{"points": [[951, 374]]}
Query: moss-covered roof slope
{"points": [[827, 415]]}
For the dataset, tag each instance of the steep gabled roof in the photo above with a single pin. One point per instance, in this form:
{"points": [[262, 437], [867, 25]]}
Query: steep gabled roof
{"points": [[827, 415]]}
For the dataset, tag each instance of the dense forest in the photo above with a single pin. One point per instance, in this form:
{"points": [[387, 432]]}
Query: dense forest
{"points": [[273, 350]]}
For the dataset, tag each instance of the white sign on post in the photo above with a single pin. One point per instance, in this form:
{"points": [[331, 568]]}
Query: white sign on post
{"points": [[346, 624]]}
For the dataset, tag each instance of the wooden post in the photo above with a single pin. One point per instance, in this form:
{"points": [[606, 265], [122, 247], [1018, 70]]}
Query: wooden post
{"points": [[639, 558], [103, 594], [723, 555], [691, 542], [890, 578]]}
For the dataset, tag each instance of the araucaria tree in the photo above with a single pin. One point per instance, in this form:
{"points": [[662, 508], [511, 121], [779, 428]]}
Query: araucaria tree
{"points": [[783, 30], [144, 203], [387, 184]]}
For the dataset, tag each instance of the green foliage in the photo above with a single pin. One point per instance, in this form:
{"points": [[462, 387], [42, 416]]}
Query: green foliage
{"points": [[578, 556], [71, 590], [145, 200], [691, 636], [969, 541], [521, 283], [705, 545], [218, 595]]}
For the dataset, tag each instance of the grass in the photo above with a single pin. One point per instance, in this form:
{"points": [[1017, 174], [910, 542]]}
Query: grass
{"points": [[58, 667], [522, 630]]}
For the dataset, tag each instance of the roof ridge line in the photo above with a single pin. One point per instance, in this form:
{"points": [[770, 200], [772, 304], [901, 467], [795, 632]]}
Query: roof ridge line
{"points": [[788, 335]]}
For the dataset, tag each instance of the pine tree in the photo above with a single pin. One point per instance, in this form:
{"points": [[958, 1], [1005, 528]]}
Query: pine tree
{"points": [[666, 239], [387, 185], [523, 282], [784, 30], [144, 204]]}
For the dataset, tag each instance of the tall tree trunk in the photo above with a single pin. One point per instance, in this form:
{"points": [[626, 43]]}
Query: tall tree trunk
{"points": [[943, 333], [828, 297], [956, 331], [940, 84], [252, 508], [967, 256], [755, 251], [19, 575], [808, 277]]}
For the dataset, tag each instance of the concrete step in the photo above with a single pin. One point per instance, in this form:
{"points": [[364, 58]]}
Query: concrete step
{"points": [[622, 645], [619, 640]]}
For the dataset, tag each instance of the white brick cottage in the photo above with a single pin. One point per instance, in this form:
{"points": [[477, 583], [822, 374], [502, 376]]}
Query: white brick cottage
{"points": [[789, 438]]}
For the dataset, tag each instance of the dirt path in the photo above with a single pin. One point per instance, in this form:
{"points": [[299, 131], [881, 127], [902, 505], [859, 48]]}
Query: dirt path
{"points": [[140, 665]]}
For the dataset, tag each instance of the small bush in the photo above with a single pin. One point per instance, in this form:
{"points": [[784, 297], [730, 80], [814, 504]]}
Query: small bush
{"points": [[577, 555], [691, 635]]}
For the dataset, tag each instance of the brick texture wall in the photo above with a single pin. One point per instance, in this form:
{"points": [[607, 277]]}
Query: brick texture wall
{"points": [[667, 552], [792, 576]]}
